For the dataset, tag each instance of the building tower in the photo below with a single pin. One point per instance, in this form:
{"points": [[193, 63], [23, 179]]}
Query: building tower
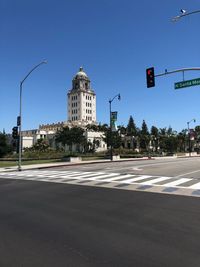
{"points": [[81, 100]]}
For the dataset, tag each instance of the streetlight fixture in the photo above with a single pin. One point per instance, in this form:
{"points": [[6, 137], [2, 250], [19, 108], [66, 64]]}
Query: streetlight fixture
{"points": [[19, 119], [183, 14], [111, 143], [188, 124]]}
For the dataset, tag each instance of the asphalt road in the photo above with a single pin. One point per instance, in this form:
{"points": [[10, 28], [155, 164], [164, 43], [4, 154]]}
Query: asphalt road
{"points": [[49, 224], [181, 167]]}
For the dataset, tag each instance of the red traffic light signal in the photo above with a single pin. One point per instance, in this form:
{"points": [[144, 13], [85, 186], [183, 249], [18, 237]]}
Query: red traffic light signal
{"points": [[150, 77]]}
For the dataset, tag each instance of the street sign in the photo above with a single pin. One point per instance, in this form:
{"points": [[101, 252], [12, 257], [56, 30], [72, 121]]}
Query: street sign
{"points": [[114, 115], [113, 121], [188, 83]]}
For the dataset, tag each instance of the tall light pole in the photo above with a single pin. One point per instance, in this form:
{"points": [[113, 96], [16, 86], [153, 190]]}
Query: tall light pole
{"points": [[111, 141], [183, 14], [188, 124], [20, 114]]}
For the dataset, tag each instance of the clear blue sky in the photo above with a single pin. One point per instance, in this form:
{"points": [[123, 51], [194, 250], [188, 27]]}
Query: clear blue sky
{"points": [[115, 41]]}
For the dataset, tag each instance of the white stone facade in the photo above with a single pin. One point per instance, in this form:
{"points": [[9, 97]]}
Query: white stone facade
{"points": [[81, 100]]}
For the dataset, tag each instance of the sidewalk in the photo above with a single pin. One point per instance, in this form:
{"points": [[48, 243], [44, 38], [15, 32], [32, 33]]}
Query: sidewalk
{"points": [[63, 164]]}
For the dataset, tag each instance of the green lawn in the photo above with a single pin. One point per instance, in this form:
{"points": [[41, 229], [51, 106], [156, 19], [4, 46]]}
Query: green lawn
{"points": [[14, 163]]}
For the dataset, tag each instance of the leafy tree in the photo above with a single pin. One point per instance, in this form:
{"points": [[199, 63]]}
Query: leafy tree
{"points": [[131, 127], [103, 128], [154, 131], [171, 144], [182, 139], [116, 138], [69, 136], [63, 136], [92, 127], [122, 129], [41, 145], [144, 129], [144, 136], [155, 137], [163, 131], [5, 148]]}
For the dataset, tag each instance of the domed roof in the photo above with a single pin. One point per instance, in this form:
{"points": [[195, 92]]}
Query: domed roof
{"points": [[81, 73]]}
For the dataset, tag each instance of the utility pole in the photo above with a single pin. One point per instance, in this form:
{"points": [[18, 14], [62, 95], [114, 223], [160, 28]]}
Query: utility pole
{"points": [[110, 109]]}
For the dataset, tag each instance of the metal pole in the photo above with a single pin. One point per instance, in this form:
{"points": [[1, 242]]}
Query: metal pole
{"points": [[185, 14], [189, 143], [111, 143], [188, 123], [20, 130], [178, 70], [20, 114]]}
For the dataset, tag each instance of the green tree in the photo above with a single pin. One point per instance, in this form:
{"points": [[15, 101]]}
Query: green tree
{"points": [[144, 136], [92, 127], [182, 139], [63, 136], [155, 137], [122, 129], [131, 127], [5, 148], [69, 136], [41, 145]]}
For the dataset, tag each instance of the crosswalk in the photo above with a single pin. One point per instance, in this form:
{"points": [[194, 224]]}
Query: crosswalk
{"points": [[127, 181]]}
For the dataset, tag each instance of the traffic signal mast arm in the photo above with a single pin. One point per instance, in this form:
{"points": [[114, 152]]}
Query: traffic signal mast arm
{"points": [[185, 14], [178, 70]]}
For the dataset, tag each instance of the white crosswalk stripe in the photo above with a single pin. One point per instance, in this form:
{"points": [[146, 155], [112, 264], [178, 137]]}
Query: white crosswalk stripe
{"points": [[104, 178], [118, 177], [178, 182], [195, 186], [156, 180], [142, 177]]}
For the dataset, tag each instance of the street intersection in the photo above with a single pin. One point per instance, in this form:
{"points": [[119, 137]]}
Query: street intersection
{"points": [[136, 213]]}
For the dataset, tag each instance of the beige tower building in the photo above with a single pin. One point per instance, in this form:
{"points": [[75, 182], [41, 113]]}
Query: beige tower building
{"points": [[81, 100]]}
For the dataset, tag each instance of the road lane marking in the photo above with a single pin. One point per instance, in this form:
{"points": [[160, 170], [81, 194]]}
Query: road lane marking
{"points": [[186, 173], [195, 186], [178, 182], [85, 175], [129, 181], [160, 163], [118, 178], [156, 180]]}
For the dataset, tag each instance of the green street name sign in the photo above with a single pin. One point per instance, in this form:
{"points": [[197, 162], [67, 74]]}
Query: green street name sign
{"points": [[188, 83]]}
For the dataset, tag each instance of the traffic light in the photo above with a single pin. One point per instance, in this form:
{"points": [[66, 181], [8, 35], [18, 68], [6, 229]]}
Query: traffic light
{"points": [[150, 77], [15, 132]]}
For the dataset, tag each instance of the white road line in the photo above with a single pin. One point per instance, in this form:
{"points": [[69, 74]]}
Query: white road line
{"points": [[178, 182], [82, 176], [101, 176], [159, 163], [129, 181], [186, 173], [119, 177], [156, 180], [195, 186]]}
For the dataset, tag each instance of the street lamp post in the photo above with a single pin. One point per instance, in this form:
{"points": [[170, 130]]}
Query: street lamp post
{"points": [[111, 141], [188, 124], [184, 13], [20, 114]]}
